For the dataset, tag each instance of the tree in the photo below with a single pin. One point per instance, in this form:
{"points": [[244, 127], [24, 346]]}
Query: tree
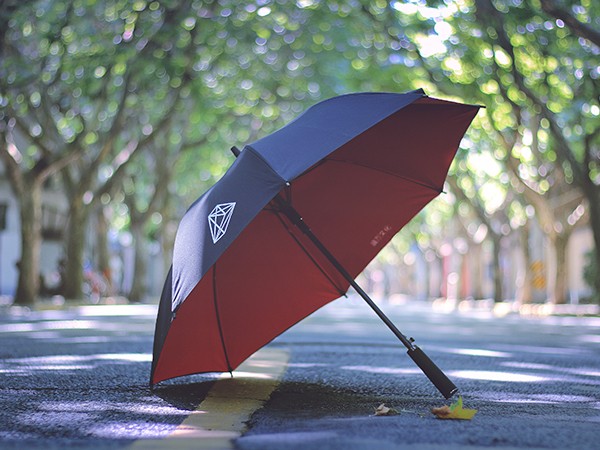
{"points": [[529, 64], [138, 95], [87, 88], [90, 83], [549, 69], [538, 79], [471, 192], [33, 147]]}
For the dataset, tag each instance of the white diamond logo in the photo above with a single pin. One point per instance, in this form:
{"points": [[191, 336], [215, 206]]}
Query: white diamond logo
{"points": [[218, 220]]}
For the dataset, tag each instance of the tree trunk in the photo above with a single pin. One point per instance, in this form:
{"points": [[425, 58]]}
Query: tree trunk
{"points": [[103, 256], [168, 230], [594, 207], [476, 274], [427, 284], [31, 244], [561, 269], [525, 294], [498, 294], [74, 253], [139, 287], [436, 288]]}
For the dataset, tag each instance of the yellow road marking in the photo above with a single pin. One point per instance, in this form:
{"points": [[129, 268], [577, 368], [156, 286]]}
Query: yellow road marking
{"points": [[223, 414]]}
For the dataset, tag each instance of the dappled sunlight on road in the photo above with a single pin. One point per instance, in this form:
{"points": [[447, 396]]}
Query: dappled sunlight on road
{"points": [[307, 365], [95, 406], [590, 338], [25, 366], [60, 339], [346, 328], [87, 366], [241, 374], [384, 370], [80, 330], [543, 350], [488, 375], [583, 371], [131, 357], [127, 429], [50, 325], [479, 352], [145, 417], [44, 326], [507, 397]]}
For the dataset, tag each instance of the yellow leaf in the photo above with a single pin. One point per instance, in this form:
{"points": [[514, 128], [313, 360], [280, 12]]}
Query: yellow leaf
{"points": [[454, 411]]}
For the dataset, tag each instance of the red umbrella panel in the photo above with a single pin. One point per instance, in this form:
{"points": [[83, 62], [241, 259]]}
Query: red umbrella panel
{"points": [[298, 215]]}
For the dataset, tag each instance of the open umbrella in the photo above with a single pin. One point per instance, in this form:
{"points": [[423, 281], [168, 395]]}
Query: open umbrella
{"points": [[295, 219]]}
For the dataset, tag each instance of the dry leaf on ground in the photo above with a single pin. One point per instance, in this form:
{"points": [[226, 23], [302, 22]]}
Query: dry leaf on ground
{"points": [[454, 411], [383, 410]]}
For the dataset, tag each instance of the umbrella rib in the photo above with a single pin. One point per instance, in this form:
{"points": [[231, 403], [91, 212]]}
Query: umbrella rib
{"points": [[214, 280], [305, 250]]}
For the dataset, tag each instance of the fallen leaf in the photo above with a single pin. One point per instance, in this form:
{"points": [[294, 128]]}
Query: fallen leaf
{"points": [[454, 411], [383, 410]]}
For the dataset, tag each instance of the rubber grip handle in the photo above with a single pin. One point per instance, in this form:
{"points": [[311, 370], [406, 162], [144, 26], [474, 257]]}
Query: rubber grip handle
{"points": [[433, 372]]}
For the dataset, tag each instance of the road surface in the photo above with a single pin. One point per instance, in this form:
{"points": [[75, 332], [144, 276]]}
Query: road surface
{"points": [[78, 378]]}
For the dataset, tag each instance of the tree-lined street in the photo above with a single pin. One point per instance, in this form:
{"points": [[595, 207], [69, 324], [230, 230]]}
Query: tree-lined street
{"points": [[116, 115], [79, 378]]}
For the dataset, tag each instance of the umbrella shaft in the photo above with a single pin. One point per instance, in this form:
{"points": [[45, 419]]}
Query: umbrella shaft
{"points": [[433, 372], [407, 342], [297, 220]]}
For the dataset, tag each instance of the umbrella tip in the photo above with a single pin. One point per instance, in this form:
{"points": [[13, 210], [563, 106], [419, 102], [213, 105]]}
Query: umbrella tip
{"points": [[418, 91], [236, 151]]}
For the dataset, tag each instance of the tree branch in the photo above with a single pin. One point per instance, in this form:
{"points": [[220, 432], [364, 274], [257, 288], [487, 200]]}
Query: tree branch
{"points": [[489, 14], [59, 164], [119, 172], [22, 127], [477, 208], [12, 165], [579, 28]]}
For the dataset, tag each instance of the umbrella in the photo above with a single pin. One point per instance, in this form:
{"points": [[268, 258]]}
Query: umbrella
{"points": [[295, 219]]}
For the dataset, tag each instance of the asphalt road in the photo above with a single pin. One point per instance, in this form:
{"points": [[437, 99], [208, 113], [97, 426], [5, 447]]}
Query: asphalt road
{"points": [[79, 379], [535, 382]]}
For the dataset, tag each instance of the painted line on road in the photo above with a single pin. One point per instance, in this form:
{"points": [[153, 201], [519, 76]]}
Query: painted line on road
{"points": [[222, 415]]}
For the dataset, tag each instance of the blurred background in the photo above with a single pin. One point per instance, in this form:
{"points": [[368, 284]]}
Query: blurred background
{"points": [[116, 115]]}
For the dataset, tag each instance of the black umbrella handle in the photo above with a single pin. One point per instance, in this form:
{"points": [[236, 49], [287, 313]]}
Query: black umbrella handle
{"points": [[433, 372]]}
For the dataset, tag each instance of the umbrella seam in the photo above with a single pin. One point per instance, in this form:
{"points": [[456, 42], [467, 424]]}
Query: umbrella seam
{"points": [[411, 180], [305, 250], [264, 160], [214, 268]]}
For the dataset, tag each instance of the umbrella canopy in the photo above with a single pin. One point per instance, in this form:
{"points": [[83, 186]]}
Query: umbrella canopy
{"points": [[353, 170]]}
